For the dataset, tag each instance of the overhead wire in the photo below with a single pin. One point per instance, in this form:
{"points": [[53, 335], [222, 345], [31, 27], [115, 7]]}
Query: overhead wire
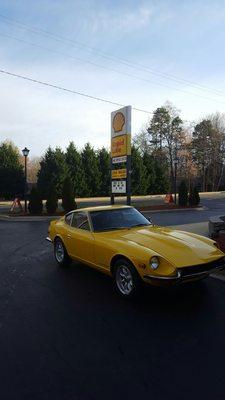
{"points": [[70, 90], [106, 68], [113, 58], [101, 99]]}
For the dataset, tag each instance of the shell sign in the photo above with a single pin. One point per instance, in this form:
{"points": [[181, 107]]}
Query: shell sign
{"points": [[121, 132], [120, 146], [121, 122], [118, 122], [119, 173]]}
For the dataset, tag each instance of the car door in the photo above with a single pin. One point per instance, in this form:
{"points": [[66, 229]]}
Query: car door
{"points": [[79, 238]]}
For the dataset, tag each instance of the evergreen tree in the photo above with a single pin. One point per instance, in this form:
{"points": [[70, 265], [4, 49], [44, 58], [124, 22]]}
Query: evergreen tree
{"points": [[193, 198], [149, 164], [52, 200], [139, 182], [11, 171], [52, 172], [162, 182], [91, 171], [196, 195], [104, 168], [35, 205], [68, 201], [76, 171], [183, 194]]}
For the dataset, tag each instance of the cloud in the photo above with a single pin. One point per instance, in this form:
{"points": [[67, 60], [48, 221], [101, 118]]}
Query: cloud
{"points": [[121, 20], [36, 116]]}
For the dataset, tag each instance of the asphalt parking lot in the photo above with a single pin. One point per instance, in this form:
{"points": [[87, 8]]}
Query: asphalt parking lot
{"points": [[64, 334]]}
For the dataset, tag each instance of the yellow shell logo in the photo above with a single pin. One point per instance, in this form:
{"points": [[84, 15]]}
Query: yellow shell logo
{"points": [[118, 122]]}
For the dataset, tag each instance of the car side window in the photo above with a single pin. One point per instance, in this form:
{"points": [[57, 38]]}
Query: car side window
{"points": [[80, 220], [68, 218], [85, 225]]}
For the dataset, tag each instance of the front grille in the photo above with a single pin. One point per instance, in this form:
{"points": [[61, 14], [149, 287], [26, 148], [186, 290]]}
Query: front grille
{"points": [[202, 267]]}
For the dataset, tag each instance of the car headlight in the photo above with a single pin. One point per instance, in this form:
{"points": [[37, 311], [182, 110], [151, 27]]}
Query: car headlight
{"points": [[154, 262]]}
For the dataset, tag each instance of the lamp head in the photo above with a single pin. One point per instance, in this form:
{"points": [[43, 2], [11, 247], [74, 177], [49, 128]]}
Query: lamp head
{"points": [[25, 152]]}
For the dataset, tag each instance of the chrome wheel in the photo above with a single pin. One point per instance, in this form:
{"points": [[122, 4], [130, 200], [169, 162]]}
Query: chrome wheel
{"points": [[59, 252], [124, 280]]}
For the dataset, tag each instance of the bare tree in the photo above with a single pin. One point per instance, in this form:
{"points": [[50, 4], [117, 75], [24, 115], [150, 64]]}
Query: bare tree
{"points": [[208, 147], [33, 168]]}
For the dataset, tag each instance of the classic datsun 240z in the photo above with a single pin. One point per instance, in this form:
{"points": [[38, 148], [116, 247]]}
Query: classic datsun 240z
{"points": [[121, 242]]}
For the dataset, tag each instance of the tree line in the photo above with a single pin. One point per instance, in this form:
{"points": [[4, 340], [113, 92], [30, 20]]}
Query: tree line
{"points": [[166, 147], [89, 172], [196, 151]]}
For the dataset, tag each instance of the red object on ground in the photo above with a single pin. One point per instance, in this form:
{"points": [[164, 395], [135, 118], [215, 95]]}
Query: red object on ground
{"points": [[169, 198], [16, 203]]}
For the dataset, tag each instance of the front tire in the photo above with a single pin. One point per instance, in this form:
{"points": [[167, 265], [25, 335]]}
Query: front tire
{"points": [[127, 282], [60, 253]]}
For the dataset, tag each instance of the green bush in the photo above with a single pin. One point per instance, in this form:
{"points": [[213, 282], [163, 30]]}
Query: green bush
{"points": [[35, 205], [197, 197], [191, 197], [194, 198], [183, 194], [68, 201], [52, 200]]}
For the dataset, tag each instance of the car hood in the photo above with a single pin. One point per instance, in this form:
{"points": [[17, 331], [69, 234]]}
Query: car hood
{"points": [[179, 247]]}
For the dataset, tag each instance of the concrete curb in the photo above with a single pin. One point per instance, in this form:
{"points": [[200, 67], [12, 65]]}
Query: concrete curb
{"points": [[28, 219], [8, 218], [177, 209]]}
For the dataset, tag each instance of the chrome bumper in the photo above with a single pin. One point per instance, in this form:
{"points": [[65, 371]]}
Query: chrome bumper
{"points": [[179, 278], [163, 279], [48, 239]]}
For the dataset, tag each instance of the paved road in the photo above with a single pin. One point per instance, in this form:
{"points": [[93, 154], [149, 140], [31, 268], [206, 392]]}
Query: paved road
{"points": [[65, 335], [213, 207]]}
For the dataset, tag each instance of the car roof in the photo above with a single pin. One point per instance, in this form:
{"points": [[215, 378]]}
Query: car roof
{"points": [[103, 208]]}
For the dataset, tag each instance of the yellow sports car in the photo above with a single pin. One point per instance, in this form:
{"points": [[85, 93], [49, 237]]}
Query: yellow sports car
{"points": [[121, 242]]}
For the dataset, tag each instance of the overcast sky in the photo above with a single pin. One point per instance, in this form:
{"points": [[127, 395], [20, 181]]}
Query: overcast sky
{"points": [[87, 49]]}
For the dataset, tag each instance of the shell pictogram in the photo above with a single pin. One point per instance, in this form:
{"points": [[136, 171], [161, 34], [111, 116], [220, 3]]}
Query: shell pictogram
{"points": [[118, 122]]}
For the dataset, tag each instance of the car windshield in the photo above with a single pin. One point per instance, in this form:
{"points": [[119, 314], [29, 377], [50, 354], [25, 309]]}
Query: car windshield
{"points": [[121, 218]]}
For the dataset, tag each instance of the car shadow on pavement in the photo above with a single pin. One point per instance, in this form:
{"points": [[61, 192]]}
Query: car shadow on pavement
{"points": [[90, 286]]}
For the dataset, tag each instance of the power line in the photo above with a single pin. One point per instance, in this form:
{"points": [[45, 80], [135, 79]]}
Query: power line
{"points": [[111, 57], [78, 93], [70, 90], [106, 68]]}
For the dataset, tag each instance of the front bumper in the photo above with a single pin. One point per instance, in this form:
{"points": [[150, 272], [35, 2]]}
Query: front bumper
{"points": [[187, 274]]}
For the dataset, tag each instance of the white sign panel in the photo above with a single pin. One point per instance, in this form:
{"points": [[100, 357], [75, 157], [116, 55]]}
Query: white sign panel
{"points": [[118, 160], [118, 186], [121, 122]]}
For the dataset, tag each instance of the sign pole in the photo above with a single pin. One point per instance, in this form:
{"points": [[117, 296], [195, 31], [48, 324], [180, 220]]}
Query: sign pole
{"points": [[112, 195], [121, 153], [129, 180]]}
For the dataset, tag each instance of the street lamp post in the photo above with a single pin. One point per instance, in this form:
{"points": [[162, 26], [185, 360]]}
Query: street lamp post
{"points": [[175, 180], [25, 152]]}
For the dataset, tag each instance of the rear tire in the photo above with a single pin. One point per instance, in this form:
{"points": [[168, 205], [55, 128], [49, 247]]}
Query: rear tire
{"points": [[60, 253], [126, 280]]}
